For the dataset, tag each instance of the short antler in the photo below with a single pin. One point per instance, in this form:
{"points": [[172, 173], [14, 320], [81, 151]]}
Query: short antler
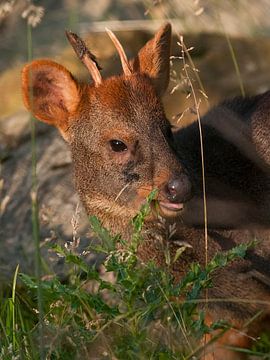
{"points": [[125, 64], [87, 58]]}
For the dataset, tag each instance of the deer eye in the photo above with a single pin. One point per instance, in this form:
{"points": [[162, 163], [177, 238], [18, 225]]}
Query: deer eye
{"points": [[118, 146]]}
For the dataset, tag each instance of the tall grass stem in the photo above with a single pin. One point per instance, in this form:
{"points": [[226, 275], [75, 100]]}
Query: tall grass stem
{"points": [[35, 205], [13, 307]]}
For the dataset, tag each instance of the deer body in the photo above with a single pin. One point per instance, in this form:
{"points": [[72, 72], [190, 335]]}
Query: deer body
{"points": [[237, 163], [123, 147]]}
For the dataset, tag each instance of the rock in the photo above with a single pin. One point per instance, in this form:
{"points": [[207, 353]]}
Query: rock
{"points": [[56, 196]]}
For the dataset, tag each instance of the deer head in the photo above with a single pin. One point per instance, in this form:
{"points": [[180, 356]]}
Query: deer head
{"points": [[120, 139]]}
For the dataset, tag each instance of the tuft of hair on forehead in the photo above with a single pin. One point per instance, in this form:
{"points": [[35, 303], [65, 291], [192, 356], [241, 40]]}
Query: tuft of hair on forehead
{"points": [[119, 92]]}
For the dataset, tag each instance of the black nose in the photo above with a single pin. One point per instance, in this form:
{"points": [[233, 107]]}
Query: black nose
{"points": [[179, 189]]}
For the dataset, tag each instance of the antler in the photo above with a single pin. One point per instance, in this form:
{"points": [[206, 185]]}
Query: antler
{"points": [[87, 58], [125, 64]]}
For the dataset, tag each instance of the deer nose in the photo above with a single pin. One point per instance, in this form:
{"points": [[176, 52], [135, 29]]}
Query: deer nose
{"points": [[179, 189]]}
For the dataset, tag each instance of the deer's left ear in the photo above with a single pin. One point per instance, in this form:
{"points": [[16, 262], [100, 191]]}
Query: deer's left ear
{"points": [[51, 93], [154, 59]]}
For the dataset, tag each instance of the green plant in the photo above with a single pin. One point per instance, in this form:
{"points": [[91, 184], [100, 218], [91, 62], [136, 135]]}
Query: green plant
{"points": [[142, 313]]}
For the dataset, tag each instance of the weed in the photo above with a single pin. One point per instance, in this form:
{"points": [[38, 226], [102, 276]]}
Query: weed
{"points": [[141, 314]]}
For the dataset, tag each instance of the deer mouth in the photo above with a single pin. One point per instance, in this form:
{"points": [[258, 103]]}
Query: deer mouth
{"points": [[168, 208], [171, 206]]}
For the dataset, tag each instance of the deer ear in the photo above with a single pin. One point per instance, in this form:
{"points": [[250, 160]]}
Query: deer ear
{"points": [[50, 93], [154, 59]]}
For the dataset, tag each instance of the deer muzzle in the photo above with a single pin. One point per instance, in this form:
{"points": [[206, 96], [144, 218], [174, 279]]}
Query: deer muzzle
{"points": [[176, 192]]}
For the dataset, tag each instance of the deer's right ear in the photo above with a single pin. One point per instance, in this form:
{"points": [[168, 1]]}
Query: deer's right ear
{"points": [[154, 59], [51, 93]]}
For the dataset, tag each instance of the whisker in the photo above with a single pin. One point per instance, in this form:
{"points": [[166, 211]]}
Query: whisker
{"points": [[121, 192]]}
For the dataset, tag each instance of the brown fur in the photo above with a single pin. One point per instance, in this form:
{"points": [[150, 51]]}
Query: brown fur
{"points": [[113, 185]]}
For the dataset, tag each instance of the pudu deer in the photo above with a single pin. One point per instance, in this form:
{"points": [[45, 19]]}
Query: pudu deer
{"points": [[123, 147]]}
